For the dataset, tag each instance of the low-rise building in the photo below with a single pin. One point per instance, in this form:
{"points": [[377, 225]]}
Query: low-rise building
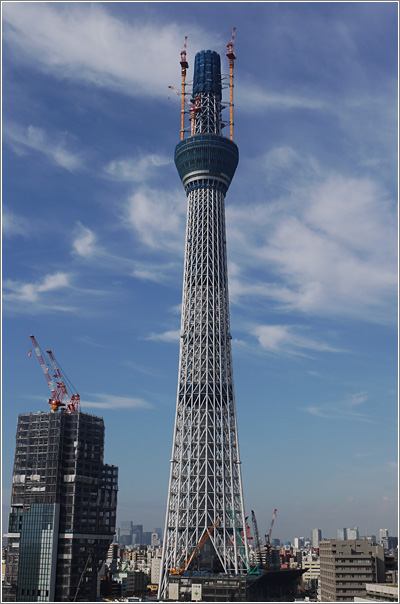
{"points": [[380, 592]]}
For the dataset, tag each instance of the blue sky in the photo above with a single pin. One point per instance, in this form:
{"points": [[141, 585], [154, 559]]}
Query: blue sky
{"points": [[93, 239]]}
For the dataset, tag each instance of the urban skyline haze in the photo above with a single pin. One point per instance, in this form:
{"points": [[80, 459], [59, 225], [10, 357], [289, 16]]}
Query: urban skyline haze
{"points": [[94, 229]]}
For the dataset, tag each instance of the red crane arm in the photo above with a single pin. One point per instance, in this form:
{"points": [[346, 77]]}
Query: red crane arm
{"points": [[43, 365]]}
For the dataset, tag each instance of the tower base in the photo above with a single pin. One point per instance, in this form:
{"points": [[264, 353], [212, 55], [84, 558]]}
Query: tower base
{"points": [[272, 586]]}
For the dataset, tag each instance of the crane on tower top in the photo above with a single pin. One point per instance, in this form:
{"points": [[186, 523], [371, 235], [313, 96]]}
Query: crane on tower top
{"points": [[59, 392], [231, 56], [194, 107]]}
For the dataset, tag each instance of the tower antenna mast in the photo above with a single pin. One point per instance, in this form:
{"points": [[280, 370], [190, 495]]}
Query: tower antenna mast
{"points": [[231, 56]]}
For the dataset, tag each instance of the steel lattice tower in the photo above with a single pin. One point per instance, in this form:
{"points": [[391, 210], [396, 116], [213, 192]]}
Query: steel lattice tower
{"points": [[205, 481]]}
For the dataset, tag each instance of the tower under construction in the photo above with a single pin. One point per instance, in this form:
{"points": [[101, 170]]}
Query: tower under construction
{"points": [[205, 518]]}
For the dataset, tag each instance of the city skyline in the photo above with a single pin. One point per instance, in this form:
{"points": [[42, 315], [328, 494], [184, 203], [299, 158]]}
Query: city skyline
{"points": [[94, 234]]}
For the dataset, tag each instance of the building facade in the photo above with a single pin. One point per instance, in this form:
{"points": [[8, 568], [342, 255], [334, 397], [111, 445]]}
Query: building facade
{"points": [[205, 498], [63, 508], [346, 566]]}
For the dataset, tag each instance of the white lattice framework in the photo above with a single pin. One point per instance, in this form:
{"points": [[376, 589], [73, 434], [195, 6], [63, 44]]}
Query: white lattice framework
{"points": [[205, 479]]}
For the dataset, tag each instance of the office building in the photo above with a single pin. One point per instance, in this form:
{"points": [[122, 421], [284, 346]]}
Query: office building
{"points": [[205, 497], [63, 508], [383, 533], [346, 566]]}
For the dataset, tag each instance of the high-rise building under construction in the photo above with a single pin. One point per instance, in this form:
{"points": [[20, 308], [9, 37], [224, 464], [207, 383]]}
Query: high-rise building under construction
{"points": [[63, 508], [205, 509]]}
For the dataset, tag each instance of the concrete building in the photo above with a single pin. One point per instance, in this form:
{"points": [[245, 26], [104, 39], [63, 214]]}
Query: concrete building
{"points": [[63, 508], [346, 566]]}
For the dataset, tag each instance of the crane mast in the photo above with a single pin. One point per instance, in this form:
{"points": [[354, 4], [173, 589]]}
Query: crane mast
{"points": [[257, 537]]}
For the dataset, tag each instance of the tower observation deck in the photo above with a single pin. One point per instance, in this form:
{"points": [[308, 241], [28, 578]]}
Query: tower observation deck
{"points": [[205, 486]]}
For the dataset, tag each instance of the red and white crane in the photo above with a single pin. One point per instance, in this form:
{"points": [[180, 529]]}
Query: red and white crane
{"points": [[194, 107], [59, 392]]}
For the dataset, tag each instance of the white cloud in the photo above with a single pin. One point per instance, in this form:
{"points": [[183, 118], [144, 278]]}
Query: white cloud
{"points": [[158, 218], [167, 336], [83, 41], [136, 169], [343, 410], [287, 339], [110, 401], [30, 292], [52, 145]]}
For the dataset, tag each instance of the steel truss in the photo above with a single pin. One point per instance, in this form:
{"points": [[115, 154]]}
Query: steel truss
{"points": [[205, 479]]}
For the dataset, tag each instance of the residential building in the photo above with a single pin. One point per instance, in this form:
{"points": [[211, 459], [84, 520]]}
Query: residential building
{"points": [[63, 508], [346, 566]]}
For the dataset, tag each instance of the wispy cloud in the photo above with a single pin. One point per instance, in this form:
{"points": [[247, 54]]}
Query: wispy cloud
{"points": [[329, 245], [158, 217], [52, 145], [84, 42], [166, 336], [111, 401], [30, 292], [344, 410], [137, 169], [288, 339]]}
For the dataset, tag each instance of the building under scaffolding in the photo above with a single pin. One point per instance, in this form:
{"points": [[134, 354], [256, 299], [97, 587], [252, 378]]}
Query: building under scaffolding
{"points": [[63, 508]]}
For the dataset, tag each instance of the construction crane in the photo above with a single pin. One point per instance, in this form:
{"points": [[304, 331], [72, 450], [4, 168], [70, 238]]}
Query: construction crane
{"points": [[196, 550], [194, 108], [268, 535], [59, 393], [231, 56], [240, 541], [184, 66], [257, 537]]}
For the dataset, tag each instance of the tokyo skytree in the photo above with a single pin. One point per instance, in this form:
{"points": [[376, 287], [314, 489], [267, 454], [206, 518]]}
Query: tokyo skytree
{"points": [[205, 518]]}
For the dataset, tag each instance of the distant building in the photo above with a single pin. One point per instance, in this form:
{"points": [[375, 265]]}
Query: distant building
{"points": [[137, 534], [125, 532], [389, 543], [63, 508], [348, 533], [353, 533], [316, 537], [346, 566], [298, 542], [383, 533]]}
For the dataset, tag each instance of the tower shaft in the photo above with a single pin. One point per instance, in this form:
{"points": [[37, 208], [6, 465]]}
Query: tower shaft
{"points": [[205, 479]]}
